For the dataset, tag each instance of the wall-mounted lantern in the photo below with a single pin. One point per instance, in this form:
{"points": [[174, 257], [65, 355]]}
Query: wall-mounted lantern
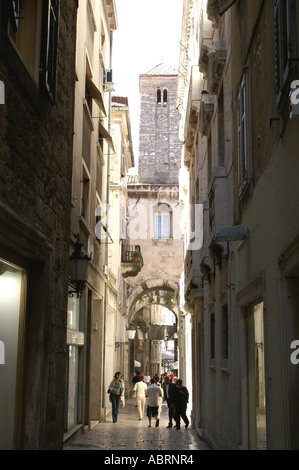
{"points": [[78, 269], [131, 331]]}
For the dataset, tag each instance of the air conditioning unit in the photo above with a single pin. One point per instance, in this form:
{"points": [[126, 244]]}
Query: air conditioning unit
{"points": [[108, 83]]}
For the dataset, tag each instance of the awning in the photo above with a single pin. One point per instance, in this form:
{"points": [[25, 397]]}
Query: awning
{"points": [[95, 94], [105, 135]]}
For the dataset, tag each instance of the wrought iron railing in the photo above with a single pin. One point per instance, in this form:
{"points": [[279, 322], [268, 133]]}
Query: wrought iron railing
{"points": [[131, 254]]}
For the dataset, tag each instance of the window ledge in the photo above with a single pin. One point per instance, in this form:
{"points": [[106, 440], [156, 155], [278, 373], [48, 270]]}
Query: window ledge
{"points": [[225, 370]]}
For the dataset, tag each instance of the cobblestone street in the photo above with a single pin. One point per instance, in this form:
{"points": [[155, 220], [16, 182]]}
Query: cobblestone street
{"points": [[131, 434]]}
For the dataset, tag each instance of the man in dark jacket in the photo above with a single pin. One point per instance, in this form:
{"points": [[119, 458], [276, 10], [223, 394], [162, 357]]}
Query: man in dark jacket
{"points": [[180, 400], [168, 389]]}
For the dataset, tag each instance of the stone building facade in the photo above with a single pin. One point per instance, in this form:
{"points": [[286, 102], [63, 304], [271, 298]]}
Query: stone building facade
{"points": [[238, 169], [89, 312], [123, 159], [154, 214], [37, 68]]}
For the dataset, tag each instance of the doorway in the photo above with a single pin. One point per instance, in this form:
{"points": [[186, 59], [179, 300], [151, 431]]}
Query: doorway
{"points": [[256, 378]]}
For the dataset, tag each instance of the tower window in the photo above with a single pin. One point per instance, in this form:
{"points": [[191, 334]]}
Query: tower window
{"points": [[158, 96], [164, 97]]}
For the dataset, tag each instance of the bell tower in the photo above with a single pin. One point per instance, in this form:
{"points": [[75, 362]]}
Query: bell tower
{"points": [[159, 144]]}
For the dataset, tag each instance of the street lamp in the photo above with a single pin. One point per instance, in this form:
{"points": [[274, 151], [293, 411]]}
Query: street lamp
{"points": [[78, 269], [131, 331]]}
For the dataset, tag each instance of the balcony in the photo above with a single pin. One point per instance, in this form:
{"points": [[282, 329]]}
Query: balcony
{"points": [[217, 59], [206, 113], [206, 32], [131, 260]]}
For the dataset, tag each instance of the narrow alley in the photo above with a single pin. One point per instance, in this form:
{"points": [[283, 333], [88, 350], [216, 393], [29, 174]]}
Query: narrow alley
{"points": [[131, 434], [149, 227]]}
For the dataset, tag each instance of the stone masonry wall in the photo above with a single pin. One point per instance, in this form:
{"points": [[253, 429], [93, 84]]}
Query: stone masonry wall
{"points": [[159, 148], [36, 141]]}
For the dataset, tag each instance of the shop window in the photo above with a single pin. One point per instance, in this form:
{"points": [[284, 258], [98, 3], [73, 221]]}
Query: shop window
{"points": [[75, 343], [12, 316]]}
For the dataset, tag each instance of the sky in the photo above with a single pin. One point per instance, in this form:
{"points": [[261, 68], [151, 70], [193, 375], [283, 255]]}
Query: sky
{"points": [[147, 34]]}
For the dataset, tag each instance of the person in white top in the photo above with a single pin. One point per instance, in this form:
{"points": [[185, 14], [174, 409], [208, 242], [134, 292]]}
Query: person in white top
{"points": [[153, 393], [140, 389], [160, 399], [147, 379]]}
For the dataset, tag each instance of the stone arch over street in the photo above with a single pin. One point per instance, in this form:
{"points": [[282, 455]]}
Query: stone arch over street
{"points": [[149, 304], [147, 288]]}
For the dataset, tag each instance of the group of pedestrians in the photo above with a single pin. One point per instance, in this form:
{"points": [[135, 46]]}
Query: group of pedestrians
{"points": [[177, 396], [150, 390], [171, 391]]}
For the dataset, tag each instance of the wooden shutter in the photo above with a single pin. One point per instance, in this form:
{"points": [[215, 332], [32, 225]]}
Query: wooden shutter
{"points": [[49, 47]]}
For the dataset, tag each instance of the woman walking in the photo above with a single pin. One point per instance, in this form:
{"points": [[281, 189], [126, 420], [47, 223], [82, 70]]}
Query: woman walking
{"points": [[117, 390], [140, 389]]}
